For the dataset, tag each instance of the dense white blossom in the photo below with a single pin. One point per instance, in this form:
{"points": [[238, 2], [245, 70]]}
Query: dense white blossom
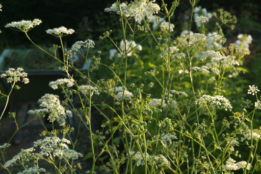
{"points": [[116, 89], [253, 90], [54, 146], [258, 105], [5, 146], [189, 38], [243, 42], [139, 9], [67, 154], [119, 92], [203, 69], [217, 61], [159, 161], [156, 21], [127, 95], [24, 25], [214, 40], [88, 90], [167, 138], [218, 102], [232, 165], [255, 136], [156, 103], [17, 75], [114, 52], [32, 170], [153, 160], [173, 91], [51, 104], [130, 45], [201, 19], [83, 44], [201, 15], [178, 56], [61, 82], [166, 26], [24, 155], [61, 31]]}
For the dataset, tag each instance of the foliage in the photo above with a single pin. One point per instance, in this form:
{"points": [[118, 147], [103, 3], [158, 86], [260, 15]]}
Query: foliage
{"points": [[171, 99]]}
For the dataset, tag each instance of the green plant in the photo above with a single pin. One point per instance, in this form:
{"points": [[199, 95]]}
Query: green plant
{"points": [[165, 99]]}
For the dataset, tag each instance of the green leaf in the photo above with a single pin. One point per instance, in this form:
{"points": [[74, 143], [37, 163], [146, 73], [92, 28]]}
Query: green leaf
{"points": [[88, 156]]}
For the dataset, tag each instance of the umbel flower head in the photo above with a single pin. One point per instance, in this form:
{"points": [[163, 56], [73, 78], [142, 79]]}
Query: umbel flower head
{"points": [[139, 9], [51, 104], [60, 32], [24, 25], [17, 75], [253, 90], [83, 44]]}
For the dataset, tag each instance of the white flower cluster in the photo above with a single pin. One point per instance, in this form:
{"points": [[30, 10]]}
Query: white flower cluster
{"points": [[13, 75], [83, 44], [201, 15], [139, 9], [113, 53], [243, 42], [32, 170], [166, 26], [5, 146], [116, 89], [24, 25], [189, 38], [255, 136], [253, 90], [159, 160], [127, 95], [61, 82], [156, 21], [49, 146], [258, 105], [214, 40], [208, 54], [218, 102], [203, 69], [130, 45], [217, 61], [61, 31], [201, 19], [88, 90], [54, 146], [178, 56], [232, 165], [1, 7], [156, 103], [24, 155], [167, 138], [119, 93], [51, 104], [178, 92]]}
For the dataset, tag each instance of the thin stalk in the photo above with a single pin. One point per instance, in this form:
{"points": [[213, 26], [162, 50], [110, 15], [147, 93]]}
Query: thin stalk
{"points": [[7, 100]]}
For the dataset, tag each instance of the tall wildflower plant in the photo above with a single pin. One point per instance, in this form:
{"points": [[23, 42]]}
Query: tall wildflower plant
{"points": [[172, 115]]}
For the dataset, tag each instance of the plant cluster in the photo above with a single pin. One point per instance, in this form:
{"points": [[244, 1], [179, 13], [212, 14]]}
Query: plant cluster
{"points": [[164, 98]]}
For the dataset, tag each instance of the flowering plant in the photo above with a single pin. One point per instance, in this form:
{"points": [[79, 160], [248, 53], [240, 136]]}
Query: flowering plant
{"points": [[171, 120]]}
